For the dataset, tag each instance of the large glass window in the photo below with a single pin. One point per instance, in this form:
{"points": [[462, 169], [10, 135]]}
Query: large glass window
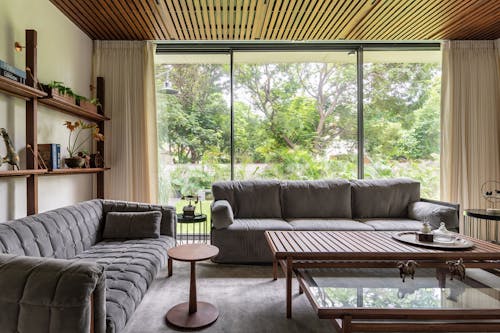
{"points": [[193, 113], [402, 116], [295, 115]]}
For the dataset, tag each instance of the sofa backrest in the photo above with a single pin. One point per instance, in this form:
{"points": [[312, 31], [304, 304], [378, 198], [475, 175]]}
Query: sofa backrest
{"points": [[316, 199], [383, 197], [61, 233], [250, 198]]}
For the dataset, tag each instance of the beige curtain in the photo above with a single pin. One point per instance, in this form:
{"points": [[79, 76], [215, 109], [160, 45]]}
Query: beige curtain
{"points": [[130, 145], [470, 121]]}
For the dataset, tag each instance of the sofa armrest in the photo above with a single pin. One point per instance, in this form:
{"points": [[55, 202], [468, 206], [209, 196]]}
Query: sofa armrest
{"points": [[222, 214], [168, 218], [435, 212], [56, 295]]}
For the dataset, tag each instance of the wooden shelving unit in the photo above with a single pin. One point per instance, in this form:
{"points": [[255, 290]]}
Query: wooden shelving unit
{"points": [[33, 96], [75, 171], [22, 173], [71, 109], [20, 90]]}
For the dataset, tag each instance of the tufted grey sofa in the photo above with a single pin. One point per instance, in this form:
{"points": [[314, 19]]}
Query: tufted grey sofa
{"points": [[57, 275], [243, 210]]}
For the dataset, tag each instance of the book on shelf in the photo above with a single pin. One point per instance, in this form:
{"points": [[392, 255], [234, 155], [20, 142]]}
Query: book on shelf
{"points": [[12, 72], [51, 155]]}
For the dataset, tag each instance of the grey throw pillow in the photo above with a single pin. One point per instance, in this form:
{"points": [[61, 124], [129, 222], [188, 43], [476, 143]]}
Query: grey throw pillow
{"points": [[132, 225], [222, 214]]}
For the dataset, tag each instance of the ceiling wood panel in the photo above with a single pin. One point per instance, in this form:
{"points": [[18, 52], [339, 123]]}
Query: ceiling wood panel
{"points": [[327, 20]]}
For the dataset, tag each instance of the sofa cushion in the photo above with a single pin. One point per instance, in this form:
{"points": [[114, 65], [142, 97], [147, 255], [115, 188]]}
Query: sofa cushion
{"points": [[250, 198], [132, 225], [168, 214], [257, 199], [434, 214], [130, 267], [388, 224], [317, 198], [225, 191], [383, 197], [328, 225], [259, 224], [222, 214]]}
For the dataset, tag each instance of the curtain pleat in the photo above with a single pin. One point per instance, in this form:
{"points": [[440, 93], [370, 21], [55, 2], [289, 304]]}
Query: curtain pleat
{"points": [[130, 145], [470, 121]]}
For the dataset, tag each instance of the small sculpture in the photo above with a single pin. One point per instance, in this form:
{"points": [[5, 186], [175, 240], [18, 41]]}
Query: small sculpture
{"points": [[407, 269], [86, 157], [491, 193], [12, 157], [456, 268]]}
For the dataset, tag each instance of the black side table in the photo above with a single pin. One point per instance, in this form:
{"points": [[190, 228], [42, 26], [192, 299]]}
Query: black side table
{"points": [[198, 231], [473, 218]]}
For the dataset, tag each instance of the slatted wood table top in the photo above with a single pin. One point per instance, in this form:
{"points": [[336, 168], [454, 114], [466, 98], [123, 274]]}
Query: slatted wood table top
{"points": [[365, 245]]}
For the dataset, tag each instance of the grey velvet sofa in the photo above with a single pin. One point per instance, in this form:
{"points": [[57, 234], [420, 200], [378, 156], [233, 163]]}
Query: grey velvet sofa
{"points": [[58, 275], [243, 210]]}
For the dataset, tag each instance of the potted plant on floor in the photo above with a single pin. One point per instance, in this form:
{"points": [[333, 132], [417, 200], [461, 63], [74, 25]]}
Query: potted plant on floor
{"points": [[75, 142]]}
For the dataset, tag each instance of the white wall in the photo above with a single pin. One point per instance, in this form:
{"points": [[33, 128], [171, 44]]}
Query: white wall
{"points": [[64, 54]]}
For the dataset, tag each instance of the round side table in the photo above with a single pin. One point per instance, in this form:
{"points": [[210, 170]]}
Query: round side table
{"points": [[200, 220], [474, 217], [192, 314]]}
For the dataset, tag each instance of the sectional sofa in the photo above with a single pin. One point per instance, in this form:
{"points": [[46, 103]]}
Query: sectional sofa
{"points": [[243, 210], [59, 273]]}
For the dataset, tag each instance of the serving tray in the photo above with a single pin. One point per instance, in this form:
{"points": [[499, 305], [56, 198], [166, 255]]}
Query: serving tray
{"points": [[410, 238]]}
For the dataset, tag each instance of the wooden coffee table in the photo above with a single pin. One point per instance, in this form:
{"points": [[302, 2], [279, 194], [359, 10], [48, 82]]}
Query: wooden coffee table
{"points": [[321, 249], [192, 314]]}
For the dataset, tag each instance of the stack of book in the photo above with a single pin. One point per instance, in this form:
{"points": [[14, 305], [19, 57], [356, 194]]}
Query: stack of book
{"points": [[12, 72], [51, 155]]}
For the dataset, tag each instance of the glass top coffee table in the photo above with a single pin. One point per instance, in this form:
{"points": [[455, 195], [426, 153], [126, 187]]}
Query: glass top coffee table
{"points": [[376, 299]]}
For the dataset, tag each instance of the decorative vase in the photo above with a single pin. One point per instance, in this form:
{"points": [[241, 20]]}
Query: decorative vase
{"points": [[74, 162]]}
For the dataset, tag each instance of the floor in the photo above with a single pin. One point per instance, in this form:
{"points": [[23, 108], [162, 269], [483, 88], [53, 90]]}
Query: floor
{"points": [[246, 296]]}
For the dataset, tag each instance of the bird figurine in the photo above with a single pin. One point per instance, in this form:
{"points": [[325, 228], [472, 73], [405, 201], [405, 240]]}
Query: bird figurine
{"points": [[12, 157], [407, 268], [456, 268]]}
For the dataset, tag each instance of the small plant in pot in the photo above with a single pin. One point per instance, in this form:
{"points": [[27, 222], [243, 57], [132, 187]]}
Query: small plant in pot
{"points": [[75, 141]]}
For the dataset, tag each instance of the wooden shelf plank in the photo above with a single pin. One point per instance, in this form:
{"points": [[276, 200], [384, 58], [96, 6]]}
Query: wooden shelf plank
{"points": [[20, 90], [22, 173], [71, 109], [68, 171]]}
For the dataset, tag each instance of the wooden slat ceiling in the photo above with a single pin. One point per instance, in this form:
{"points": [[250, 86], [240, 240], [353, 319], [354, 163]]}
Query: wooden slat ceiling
{"points": [[326, 20]]}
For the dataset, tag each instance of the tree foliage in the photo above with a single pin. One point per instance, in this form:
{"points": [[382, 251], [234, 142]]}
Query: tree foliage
{"points": [[299, 120]]}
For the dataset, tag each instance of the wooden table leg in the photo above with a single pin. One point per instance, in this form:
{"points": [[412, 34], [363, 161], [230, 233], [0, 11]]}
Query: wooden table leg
{"points": [[346, 324], [275, 269], [289, 287], [192, 289], [169, 266]]}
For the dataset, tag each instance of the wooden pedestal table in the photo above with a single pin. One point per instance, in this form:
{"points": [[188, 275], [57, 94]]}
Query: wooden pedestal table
{"points": [[192, 314]]}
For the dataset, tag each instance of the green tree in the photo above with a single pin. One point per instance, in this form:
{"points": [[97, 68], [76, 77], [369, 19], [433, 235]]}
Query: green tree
{"points": [[193, 121]]}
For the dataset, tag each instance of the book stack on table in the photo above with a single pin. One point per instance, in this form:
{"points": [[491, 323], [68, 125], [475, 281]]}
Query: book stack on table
{"points": [[12, 72]]}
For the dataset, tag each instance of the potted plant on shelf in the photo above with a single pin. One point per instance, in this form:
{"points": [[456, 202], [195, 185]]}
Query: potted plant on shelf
{"points": [[58, 90], [75, 129], [90, 105]]}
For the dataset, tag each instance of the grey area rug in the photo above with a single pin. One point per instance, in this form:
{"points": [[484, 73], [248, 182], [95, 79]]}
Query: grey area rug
{"points": [[246, 296]]}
